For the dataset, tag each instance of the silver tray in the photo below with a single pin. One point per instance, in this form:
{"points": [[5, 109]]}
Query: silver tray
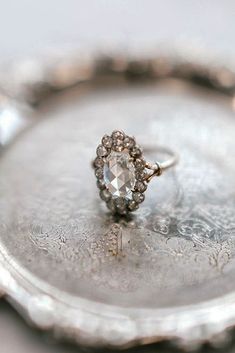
{"points": [[167, 272]]}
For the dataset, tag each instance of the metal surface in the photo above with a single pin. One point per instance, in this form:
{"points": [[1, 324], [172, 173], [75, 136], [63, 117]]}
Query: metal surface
{"points": [[172, 271]]}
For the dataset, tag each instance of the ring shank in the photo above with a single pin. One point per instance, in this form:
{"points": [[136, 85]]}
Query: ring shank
{"points": [[158, 167], [171, 162]]}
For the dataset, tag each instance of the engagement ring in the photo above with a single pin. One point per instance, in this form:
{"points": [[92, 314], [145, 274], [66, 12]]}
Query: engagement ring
{"points": [[122, 172]]}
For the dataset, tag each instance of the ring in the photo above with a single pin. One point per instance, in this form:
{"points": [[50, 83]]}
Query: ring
{"points": [[122, 172]]}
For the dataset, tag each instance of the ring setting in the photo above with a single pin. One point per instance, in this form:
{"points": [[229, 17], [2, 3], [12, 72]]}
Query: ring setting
{"points": [[122, 172]]}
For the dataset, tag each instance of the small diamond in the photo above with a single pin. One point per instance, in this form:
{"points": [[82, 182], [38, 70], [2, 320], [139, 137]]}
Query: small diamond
{"points": [[99, 173], [139, 163], [119, 142], [107, 141], [98, 162], [136, 152], [140, 186], [141, 175], [118, 135], [101, 151], [119, 175], [129, 142], [121, 205], [133, 205], [105, 195], [118, 145], [120, 202], [111, 205], [100, 184], [138, 197]]}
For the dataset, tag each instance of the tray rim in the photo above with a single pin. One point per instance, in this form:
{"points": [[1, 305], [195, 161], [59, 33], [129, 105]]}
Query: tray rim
{"points": [[129, 326]]}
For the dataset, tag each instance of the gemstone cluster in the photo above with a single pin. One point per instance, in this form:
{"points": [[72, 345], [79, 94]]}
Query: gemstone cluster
{"points": [[120, 172]]}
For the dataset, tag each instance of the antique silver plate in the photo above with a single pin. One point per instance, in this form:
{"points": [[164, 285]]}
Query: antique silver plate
{"points": [[167, 272]]}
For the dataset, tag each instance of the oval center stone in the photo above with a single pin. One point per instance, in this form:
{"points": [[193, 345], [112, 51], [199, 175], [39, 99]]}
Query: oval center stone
{"points": [[119, 174]]}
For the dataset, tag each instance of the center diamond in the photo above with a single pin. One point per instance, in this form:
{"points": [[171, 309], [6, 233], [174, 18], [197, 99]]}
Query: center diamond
{"points": [[119, 174]]}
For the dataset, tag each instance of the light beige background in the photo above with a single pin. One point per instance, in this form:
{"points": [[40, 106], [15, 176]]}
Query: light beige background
{"points": [[28, 26]]}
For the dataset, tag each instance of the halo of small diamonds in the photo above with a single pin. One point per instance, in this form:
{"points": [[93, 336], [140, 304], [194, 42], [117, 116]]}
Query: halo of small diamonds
{"points": [[119, 158]]}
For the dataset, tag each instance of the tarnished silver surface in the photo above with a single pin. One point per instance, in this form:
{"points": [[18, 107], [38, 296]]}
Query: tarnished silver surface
{"points": [[169, 270]]}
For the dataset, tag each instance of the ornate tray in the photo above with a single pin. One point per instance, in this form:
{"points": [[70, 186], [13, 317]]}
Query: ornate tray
{"points": [[168, 272]]}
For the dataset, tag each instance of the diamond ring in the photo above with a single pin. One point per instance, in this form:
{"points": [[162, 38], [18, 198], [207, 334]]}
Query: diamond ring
{"points": [[122, 172]]}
